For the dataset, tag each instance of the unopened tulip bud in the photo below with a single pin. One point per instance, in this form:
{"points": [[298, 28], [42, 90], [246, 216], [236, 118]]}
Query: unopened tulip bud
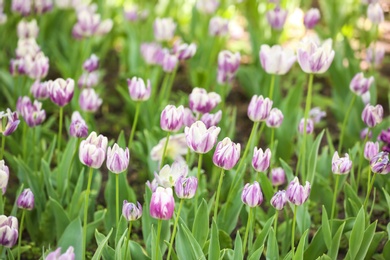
{"points": [[169, 63], [11, 122], [26, 200], [61, 91], [375, 13], [370, 150], [171, 119], [211, 119], [228, 64], [4, 176], [89, 100], [315, 58], [316, 114], [309, 126], [275, 118], [40, 90], [252, 195], [199, 138], [185, 188], [278, 176], [188, 117], [207, 6], [164, 29], [56, 255], [218, 26], [277, 17], [162, 203], [202, 102], [296, 193], [375, 54], [117, 159], [261, 160], [184, 51], [276, 59], [279, 200], [27, 29], [131, 211], [226, 154], [311, 18], [341, 165], [259, 108], [149, 52], [139, 91], [78, 127], [359, 84], [8, 231], [371, 115], [92, 151], [380, 163], [91, 64], [363, 134]]}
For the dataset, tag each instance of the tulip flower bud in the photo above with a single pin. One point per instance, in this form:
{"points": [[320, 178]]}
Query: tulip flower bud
{"points": [[184, 51], [164, 29], [162, 204], [168, 175], [384, 136], [56, 255], [228, 64], [88, 79], [341, 165], [40, 90], [185, 188], [278, 176], [277, 17], [259, 108], [39, 67], [203, 102], [169, 62], [279, 200], [138, 90], [199, 138], [380, 163], [275, 118], [363, 134], [61, 91], [149, 52], [211, 119], [315, 58], [188, 117], [207, 6], [276, 59], [8, 231], [316, 114], [11, 122], [117, 159], [311, 18], [130, 211], [152, 185], [78, 127], [89, 100], [261, 160], [296, 193], [27, 29], [252, 195], [92, 151], [4, 176], [370, 150], [177, 147], [226, 154], [360, 85], [375, 13], [218, 26], [171, 119], [22, 6], [32, 113], [309, 126], [91, 64], [375, 54], [26, 200], [372, 116]]}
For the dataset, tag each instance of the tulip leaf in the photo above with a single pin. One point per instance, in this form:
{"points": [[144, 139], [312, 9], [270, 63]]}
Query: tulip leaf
{"points": [[387, 196], [137, 252], [64, 166], [47, 179], [238, 248], [228, 217], [214, 242], [260, 239], [334, 248], [186, 245], [299, 251], [357, 233], [256, 254], [374, 244], [303, 218], [61, 217], [326, 228], [101, 245], [272, 246], [287, 169], [317, 245], [366, 242], [266, 186], [313, 156], [200, 228], [77, 200], [97, 220], [73, 236]]}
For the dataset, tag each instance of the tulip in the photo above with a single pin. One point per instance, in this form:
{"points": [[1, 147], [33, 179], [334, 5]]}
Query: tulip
{"points": [[27, 48], [341, 165], [279, 200], [176, 148], [162, 203], [89, 23], [199, 138], [375, 54], [363, 134], [26, 200], [184, 51], [188, 117], [370, 150], [8, 231], [27, 29], [372, 116], [56, 255], [252, 195], [296, 193], [88, 80], [375, 13], [91, 64], [276, 59], [228, 64], [315, 58], [169, 62], [117, 159], [164, 29], [207, 6], [185, 188], [4, 176], [168, 175], [61, 91], [78, 127], [40, 90], [380, 163], [275, 118], [278, 176], [92, 151], [203, 102], [359, 84], [12, 122], [311, 18], [261, 160], [89, 100], [309, 126], [138, 90], [218, 26], [149, 52], [32, 113], [39, 67], [226, 154], [211, 119], [277, 17], [22, 6], [152, 185], [131, 211], [384, 136], [171, 119], [259, 108], [316, 114], [42, 6]]}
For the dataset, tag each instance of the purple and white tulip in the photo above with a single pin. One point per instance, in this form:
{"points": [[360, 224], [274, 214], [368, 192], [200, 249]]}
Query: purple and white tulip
{"points": [[296, 193], [27, 29], [276, 59], [12, 122], [199, 138], [380, 163], [92, 151], [311, 18], [91, 64], [359, 84], [8, 231], [316, 114], [188, 117], [139, 91], [117, 159], [202, 102], [261, 160], [61, 91], [275, 118], [372, 116], [309, 126], [218, 26], [149, 52], [259, 108], [375, 13], [226, 154], [26, 200], [279, 200], [375, 54], [56, 255], [228, 64], [40, 90], [370, 150], [277, 17], [278, 176], [4, 176], [184, 51], [315, 58], [162, 204], [207, 6], [252, 195], [164, 29], [341, 165], [211, 119], [185, 188], [78, 127], [89, 100], [168, 175], [131, 211], [171, 119]]}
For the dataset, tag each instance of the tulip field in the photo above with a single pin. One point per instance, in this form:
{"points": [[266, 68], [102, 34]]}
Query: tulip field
{"points": [[194, 129]]}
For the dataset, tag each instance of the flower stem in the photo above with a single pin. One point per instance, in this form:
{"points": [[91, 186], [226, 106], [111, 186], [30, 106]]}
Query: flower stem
{"points": [[335, 196], [345, 122], [158, 239], [20, 232], [218, 192], [369, 188], [171, 81], [117, 199], [87, 192], [248, 226], [128, 239], [134, 127], [60, 130], [165, 150], [174, 229], [198, 176], [276, 220], [71, 162], [361, 153], [293, 231], [272, 139], [2, 147], [271, 88]]}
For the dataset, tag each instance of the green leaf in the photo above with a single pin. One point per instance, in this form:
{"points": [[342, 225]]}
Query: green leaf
{"points": [[299, 252], [228, 217], [238, 248], [98, 218], [386, 250], [374, 244], [101, 245], [317, 245], [287, 169], [266, 186], [272, 246], [387, 196], [186, 245], [47, 178], [64, 165], [108, 252], [259, 242], [257, 254], [367, 239], [77, 200], [326, 228], [357, 233], [200, 228], [137, 252], [61, 217], [214, 242], [73, 236], [312, 163], [334, 248]]}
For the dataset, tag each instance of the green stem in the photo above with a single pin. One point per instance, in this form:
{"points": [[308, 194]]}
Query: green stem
{"points": [[293, 231], [271, 88], [117, 199], [345, 122], [335, 196], [60, 130], [370, 184], [248, 226], [276, 220], [128, 239], [272, 140], [24, 140], [361, 153], [164, 87], [2, 147], [218, 192], [174, 229], [171, 81], [165, 150], [86, 211], [71, 162], [198, 176], [158, 239], [20, 233], [134, 127]]}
